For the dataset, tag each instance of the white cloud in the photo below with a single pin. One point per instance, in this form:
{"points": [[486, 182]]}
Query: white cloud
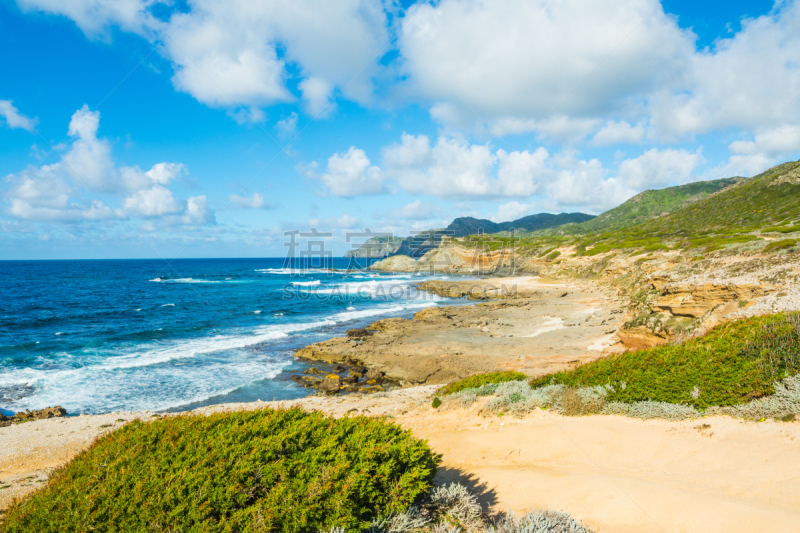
{"points": [[225, 52], [416, 210], [242, 202], [619, 133], [152, 202], [781, 140], [287, 127], [456, 168], [95, 17], [659, 168], [518, 60], [520, 173], [749, 80], [317, 93], [198, 213], [333, 222], [68, 191], [15, 119], [350, 174], [511, 211]]}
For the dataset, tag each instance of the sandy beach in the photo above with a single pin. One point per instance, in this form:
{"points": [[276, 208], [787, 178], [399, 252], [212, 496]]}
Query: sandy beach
{"points": [[615, 474]]}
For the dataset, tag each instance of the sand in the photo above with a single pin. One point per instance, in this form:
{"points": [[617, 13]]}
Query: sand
{"points": [[615, 474]]}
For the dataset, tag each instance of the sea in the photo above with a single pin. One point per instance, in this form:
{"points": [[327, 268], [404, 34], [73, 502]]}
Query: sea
{"points": [[100, 336]]}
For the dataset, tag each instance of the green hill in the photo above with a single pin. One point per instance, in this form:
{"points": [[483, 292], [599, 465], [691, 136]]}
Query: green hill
{"points": [[767, 203], [651, 204]]}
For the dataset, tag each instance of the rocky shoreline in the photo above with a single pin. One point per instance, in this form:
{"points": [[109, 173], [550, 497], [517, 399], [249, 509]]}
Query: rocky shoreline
{"points": [[521, 324]]}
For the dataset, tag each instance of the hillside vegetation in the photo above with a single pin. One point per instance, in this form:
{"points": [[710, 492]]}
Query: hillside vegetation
{"points": [[733, 364], [283, 471], [744, 212], [651, 204]]}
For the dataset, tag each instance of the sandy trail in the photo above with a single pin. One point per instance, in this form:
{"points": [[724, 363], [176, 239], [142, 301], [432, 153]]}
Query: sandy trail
{"points": [[616, 474]]}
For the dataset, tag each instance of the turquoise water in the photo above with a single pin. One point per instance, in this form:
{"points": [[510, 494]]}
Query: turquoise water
{"points": [[101, 336]]}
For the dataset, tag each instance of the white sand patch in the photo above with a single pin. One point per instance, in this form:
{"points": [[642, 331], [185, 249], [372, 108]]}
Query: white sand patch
{"points": [[587, 311], [550, 324], [601, 343]]}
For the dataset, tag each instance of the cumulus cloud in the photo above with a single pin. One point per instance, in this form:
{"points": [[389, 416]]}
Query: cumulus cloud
{"points": [[659, 168], [254, 202], [620, 132], [511, 211], [416, 210], [781, 140], [350, 174], [69, 190], [456, 168], [287, 127], [225, 53], [749, 80], [521, 59], [15, 119]]}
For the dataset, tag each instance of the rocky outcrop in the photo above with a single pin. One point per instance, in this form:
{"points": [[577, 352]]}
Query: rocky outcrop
{"points": [[697, 300], [396, 263], [41, 414]]}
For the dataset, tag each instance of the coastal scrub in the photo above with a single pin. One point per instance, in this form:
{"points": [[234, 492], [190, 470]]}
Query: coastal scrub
{"points": [[733, 364], [478, 380], [269, 470]]}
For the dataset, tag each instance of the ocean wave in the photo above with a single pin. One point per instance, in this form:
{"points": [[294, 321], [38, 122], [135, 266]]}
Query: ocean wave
{"points": [[379, 311], [305, 283], [192, 280]]}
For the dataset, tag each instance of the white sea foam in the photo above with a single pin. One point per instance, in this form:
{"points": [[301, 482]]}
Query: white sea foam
{"points": [[257, 311], [306, 283], [60, 333], [379, 311], [168, 305]]}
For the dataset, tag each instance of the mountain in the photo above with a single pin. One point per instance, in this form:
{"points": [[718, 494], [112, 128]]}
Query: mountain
{"points": [[650, 204], [739, 214], [461, 227], [376, 247], [770, 199], [417, 245]]}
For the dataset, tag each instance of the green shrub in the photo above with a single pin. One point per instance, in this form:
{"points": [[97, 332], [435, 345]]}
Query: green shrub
{"points": [[473, 382], [553, 255], [779, 245], [734, 363], [436, 403], [265, 470]]}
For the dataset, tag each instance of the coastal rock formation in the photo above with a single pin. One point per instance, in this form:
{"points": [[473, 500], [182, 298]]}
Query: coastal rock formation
{"points": [[695, 301], [538, 331], [396, 263], [41, 414]]}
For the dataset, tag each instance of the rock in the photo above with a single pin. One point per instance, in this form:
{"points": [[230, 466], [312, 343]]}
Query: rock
{"points": [[329, 385], [396, 263], [359, 333], [313, 370], [695, 300], [41, 414], [373, 374]]}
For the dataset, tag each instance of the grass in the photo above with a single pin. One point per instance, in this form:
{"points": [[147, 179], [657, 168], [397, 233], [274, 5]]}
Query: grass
{"points": [[282, 471], [731, 365], [478, 380], [780, 245]]}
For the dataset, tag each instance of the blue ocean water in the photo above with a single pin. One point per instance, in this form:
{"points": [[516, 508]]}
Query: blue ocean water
{"points": [[102, 336]]}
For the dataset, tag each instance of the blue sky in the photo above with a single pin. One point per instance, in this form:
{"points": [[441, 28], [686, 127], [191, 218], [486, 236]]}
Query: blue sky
{"points": [[208, 129]]}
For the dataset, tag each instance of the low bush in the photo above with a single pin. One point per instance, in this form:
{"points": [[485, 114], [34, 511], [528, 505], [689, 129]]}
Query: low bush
{"points": [[281, 471], [478, 380], [779, 245], [731, 365]]}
